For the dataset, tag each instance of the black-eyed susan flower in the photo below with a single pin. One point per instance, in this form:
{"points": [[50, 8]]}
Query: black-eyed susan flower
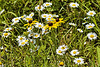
{"points": [[91, 13], [79, 61], [51, 25], [74, 52], [74, 5], [6, 34], [63, 47], [58, 21], [90, 25], [30, 23], [92, 36]]}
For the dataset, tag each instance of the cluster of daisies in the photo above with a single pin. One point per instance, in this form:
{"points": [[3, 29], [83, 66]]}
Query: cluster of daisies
{"points": [[63, 48], [90, 35]]}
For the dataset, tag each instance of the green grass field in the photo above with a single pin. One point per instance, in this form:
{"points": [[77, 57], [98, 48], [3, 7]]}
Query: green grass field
{"points": [[14, 55]]}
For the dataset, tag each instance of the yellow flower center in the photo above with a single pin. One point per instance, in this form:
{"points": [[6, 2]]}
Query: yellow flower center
{"points": [[44, 16], [91, 13], [31, 14], [21, 38], [26, 40], [7, 29], [59, 51], [16, 19], [49, 16], [47, 4], [80, 30], [78, 61], [74, 5], [91, 36], [30, 29], [22, 16], [39, 7], [40, 25], [5, 34], [61, 63], [36, 35], [62, 47], [84, 22], [28, 19], [0, 63], [23, 43], [90, 27], [74, 52]]}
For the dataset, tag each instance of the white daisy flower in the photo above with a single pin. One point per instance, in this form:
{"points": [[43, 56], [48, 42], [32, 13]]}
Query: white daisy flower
{"points": [[84, 43], [44, 31], [49, 16], [30, 29], [30, 34], [80, 30], [8, 29], [23, 16], [74, 5], [32, 14], [54, 15], [92, 36], [16, 19], [36, 35], [13, 23], [74, 52], [2, 11], [20, 38], [33, 41], [39, 8], [27, 18], [63, 47], [90, 25], [1, 48], [91, 13], [79, 61], [73, 24], [61, 64], [60, 52], [36, 47], [44, 15], [39, 25], [47, 4], [23, 42], [6, 34], [86, 18], [48, 19], [84, 23]]}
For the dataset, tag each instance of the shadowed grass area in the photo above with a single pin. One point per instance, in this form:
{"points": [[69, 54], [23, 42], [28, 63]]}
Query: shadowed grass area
{"points": [[18, 56]]}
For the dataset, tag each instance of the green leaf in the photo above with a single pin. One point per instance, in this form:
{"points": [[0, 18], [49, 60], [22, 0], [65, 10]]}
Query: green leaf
{"points": [[98, 53]]}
